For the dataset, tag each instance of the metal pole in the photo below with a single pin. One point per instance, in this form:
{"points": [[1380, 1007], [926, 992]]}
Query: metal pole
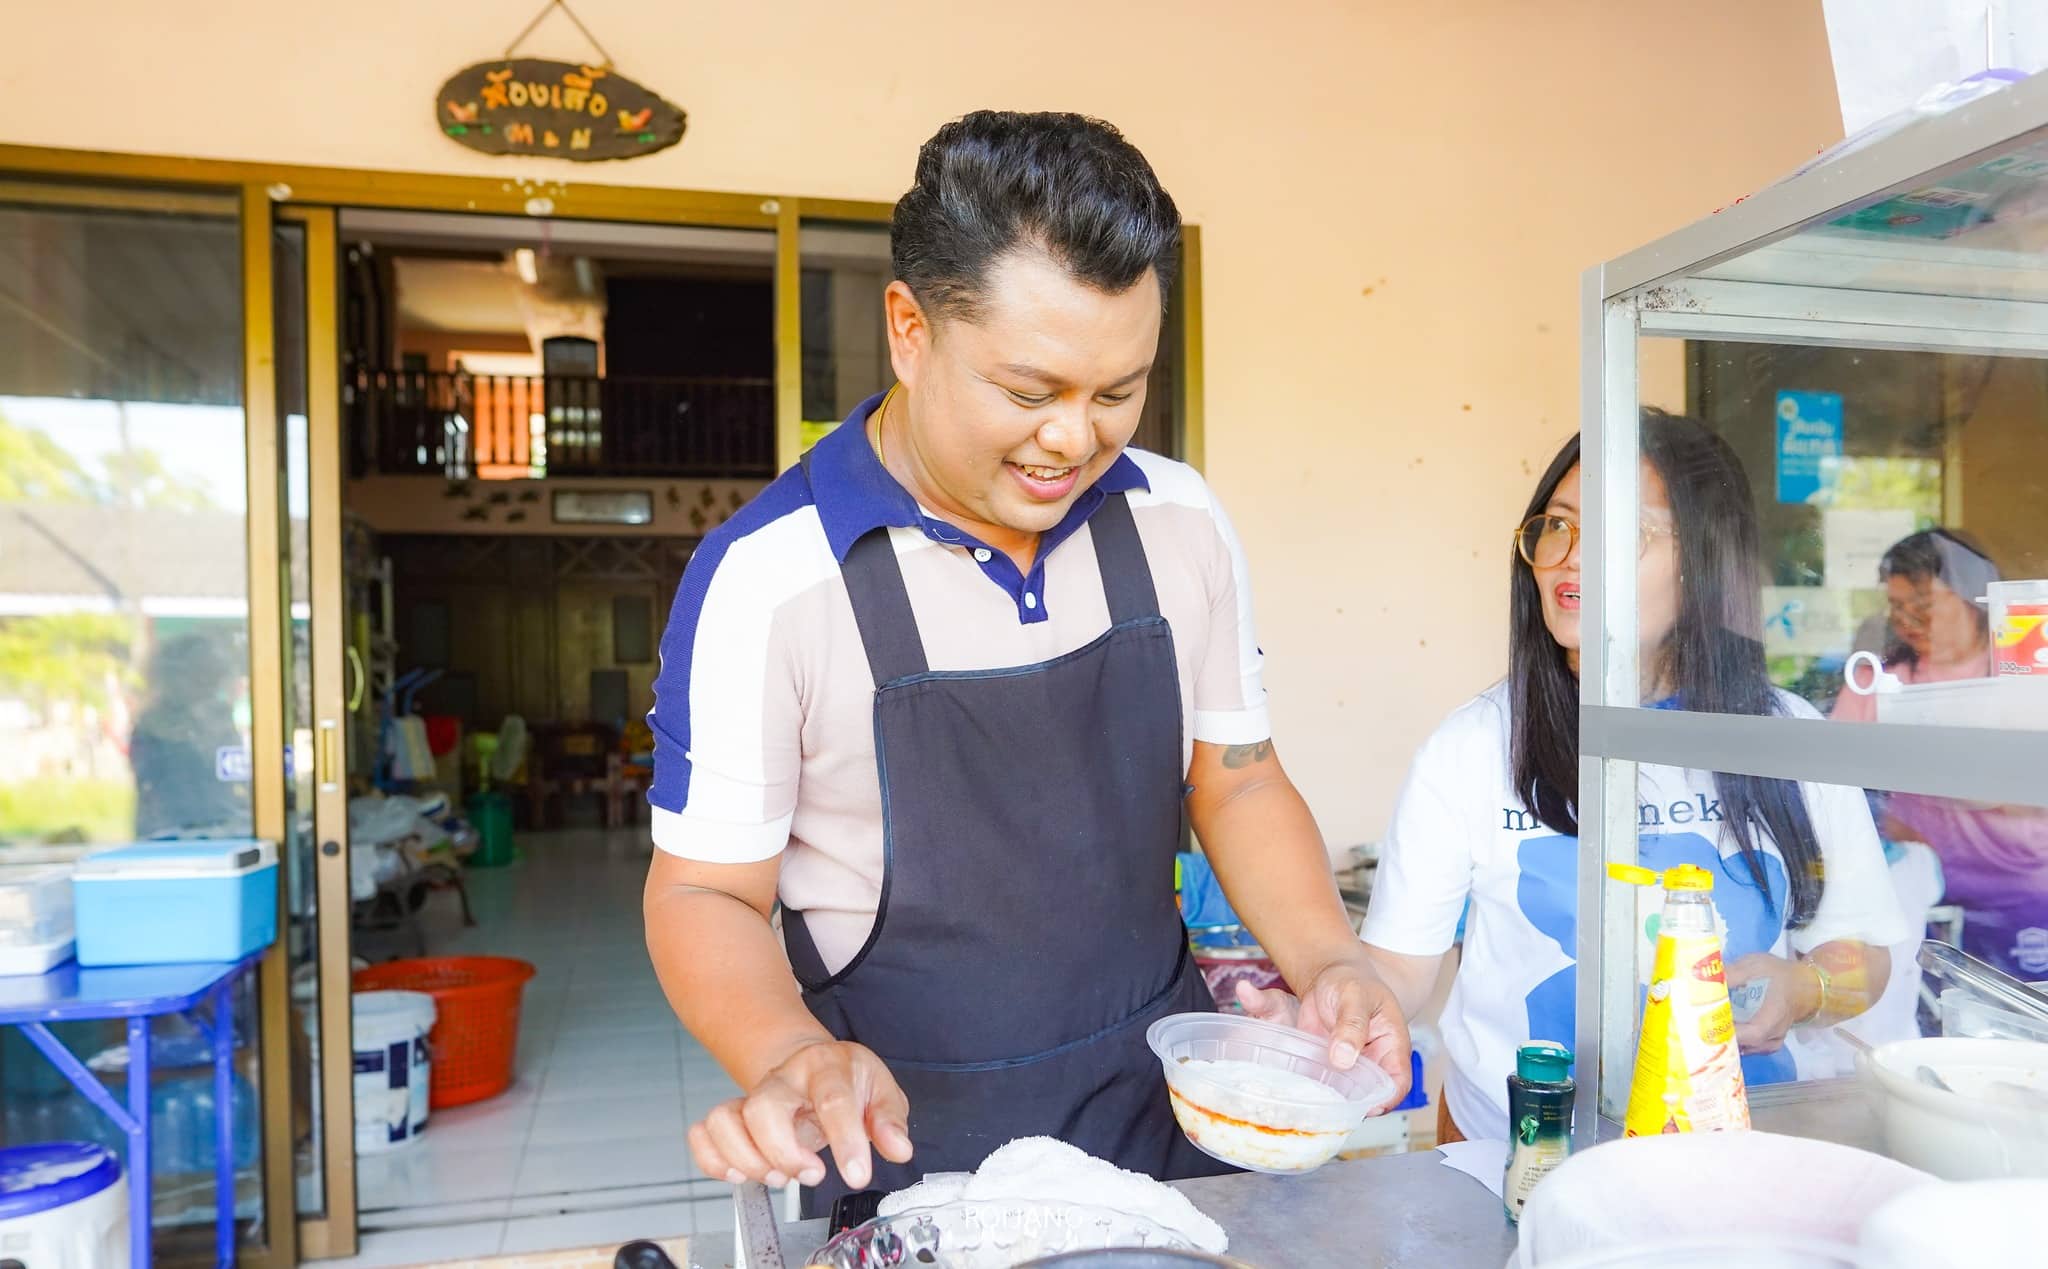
{"points": [[224, 1119], [140, 1208]]}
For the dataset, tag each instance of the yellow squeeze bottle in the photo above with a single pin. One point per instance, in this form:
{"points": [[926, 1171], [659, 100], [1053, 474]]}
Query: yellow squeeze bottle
{"points": [[1688, 1075]]}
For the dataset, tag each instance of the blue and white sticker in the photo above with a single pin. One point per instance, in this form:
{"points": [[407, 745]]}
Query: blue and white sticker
{"points": [[231, 764], [1809, 434]]}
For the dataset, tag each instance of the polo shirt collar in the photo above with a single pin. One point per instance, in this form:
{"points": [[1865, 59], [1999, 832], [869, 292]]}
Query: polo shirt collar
{"points": [[856, 495]]}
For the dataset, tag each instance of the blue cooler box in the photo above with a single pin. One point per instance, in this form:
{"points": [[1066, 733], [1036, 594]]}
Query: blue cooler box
{"points": [[171, 903]]}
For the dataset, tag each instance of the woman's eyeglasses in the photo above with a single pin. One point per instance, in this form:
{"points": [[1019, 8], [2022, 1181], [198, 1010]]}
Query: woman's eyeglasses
{"points": [[1546, 541], [1917, 611]]}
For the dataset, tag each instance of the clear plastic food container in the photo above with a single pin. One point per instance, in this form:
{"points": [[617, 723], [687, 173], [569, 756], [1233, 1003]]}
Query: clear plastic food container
{"points": [[36, 927], [1968, 1014], [1261, 1096]]}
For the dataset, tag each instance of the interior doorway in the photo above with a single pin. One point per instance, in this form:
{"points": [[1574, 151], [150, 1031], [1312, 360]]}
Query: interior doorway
{"points": [[539, 421]]}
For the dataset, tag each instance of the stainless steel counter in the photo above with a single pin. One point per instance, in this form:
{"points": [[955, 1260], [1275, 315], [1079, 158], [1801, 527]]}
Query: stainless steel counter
{"points": [[1400, 1210]]}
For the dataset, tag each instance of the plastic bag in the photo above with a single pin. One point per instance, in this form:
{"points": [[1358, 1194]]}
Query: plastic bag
{"points": [[1938, 100], [379, 821], [1888, 54]]}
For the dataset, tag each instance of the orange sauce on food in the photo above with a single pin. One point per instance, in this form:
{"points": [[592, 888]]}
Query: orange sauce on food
{"points": [[1244, 1123]]}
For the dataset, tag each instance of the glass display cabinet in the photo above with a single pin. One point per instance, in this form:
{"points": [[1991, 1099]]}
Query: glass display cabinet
{"points": [[1868, 340]]}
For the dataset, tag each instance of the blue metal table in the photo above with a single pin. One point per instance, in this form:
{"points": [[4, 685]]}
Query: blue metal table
{"points": [[139, 993]]}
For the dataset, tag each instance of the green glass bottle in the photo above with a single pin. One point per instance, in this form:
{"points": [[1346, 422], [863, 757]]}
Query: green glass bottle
{"points": [[1539, 1119]]}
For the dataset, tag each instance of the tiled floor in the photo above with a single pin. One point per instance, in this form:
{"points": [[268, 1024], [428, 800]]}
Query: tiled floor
{"points": [[588, 1146]]}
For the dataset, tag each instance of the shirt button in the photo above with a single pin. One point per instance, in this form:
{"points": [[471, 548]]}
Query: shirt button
{"points": [[1030, 601], [982, 555]]}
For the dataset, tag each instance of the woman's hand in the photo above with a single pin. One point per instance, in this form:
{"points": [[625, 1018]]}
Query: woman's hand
{"points": [[825, 1094], [1348, 1002], [1792, 995]]}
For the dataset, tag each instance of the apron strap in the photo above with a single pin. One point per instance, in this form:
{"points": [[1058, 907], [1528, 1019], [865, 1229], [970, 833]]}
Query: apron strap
{"points": [[881, 605], [805, 960], [1126, 577], [881, 608]]}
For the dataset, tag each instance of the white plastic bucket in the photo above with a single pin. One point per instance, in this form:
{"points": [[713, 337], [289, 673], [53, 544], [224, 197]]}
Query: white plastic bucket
{"points": [[392, 1067], [63, 1203]]}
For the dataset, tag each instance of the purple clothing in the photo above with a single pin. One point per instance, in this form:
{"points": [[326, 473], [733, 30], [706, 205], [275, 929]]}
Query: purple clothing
{"points": [[1994, 859], [1995, 862]]}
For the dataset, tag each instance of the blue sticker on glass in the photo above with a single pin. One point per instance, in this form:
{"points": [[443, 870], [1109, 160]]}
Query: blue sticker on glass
{"points": [[231, 765], [1809, 433]]}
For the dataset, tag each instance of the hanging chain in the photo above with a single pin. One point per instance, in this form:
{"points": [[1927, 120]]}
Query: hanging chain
{"points": [[540, 17]]}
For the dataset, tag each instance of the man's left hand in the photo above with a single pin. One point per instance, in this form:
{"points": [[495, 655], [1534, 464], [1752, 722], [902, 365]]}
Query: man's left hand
{"points": [[1348, 1002]]}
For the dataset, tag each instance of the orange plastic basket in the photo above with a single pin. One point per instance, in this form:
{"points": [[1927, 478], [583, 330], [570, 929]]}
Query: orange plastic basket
{"points": [[476, 1019]]}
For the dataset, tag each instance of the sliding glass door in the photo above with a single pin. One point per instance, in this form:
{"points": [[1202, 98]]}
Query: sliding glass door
{"points": [[141, 626]]}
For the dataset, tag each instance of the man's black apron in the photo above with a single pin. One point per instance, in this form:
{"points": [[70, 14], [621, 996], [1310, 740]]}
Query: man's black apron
{"points": [[1028, 932]]}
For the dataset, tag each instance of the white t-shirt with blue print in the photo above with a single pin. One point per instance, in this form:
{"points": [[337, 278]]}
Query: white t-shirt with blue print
{"points": [[1459, 834]]}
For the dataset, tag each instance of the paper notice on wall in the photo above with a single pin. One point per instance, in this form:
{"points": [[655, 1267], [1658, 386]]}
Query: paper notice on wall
{"points": [[1888, 53], [1854, 543]]}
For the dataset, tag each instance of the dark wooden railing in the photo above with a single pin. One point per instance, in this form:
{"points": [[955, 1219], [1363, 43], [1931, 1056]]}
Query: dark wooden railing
{"points": [[419, 422]]}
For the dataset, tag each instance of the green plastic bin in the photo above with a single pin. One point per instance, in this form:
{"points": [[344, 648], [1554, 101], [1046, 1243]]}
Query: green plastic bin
{"points": [[490, 813]]}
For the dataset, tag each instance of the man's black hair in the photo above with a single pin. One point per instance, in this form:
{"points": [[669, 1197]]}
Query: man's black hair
{"points": [[998, 181]]}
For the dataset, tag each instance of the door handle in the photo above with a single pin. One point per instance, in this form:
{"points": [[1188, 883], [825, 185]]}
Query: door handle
{"points": [[327, 756], [355, 663]]}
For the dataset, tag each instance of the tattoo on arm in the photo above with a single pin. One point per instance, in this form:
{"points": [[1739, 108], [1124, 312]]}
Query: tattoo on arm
{"points": [[1237, 757]]}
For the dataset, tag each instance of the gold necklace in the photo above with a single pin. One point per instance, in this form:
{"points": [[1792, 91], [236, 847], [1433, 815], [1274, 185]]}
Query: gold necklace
{"points": [[881, 411]]}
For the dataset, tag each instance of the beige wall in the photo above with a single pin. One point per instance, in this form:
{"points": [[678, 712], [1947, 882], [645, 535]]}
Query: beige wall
{"points": [[1997, 410], [1396, 199]]}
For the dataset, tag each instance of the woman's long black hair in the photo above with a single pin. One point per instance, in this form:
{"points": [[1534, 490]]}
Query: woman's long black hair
{"points": [[1714, 656]]}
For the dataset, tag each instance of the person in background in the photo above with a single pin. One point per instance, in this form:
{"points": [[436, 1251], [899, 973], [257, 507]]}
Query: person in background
{"points": [[1936, 629], [1489, 815], [186, 720], [1994, 858]]}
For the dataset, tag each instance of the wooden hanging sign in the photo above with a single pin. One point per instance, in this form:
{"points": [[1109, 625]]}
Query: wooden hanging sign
{"points": [[561, 110]]}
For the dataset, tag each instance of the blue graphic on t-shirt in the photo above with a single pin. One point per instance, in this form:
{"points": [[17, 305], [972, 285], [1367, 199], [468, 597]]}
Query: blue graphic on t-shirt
{"points": [[1548, 894]]}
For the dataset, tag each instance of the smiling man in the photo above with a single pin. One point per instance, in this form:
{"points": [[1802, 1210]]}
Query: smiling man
{"points": [[944, 691]]}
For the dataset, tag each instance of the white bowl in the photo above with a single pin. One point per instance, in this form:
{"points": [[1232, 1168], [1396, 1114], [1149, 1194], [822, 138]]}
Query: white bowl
{"points": [[1957, 1225], [1977, 1132], [1257, 1129], [1790, 1194]]}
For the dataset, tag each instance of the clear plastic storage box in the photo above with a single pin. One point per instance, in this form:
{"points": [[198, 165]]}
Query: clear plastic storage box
{"points": [[36, 924]]}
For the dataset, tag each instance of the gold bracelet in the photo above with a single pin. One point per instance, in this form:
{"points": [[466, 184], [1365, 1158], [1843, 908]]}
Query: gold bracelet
{"points": [[1827, 986]]}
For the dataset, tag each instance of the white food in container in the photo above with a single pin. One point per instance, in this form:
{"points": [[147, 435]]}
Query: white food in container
{"points": [[1032, 1198], [1262, 1096], [1045, 1171]]}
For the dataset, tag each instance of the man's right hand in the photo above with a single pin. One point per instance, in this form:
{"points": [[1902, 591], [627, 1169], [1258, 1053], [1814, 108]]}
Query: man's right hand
{"points": [[826, 1093]]}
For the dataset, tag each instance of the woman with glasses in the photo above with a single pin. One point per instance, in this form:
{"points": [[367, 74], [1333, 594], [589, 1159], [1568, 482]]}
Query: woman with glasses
{"points": [[1993, 858], [1935, 628], [1489, 813]]}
